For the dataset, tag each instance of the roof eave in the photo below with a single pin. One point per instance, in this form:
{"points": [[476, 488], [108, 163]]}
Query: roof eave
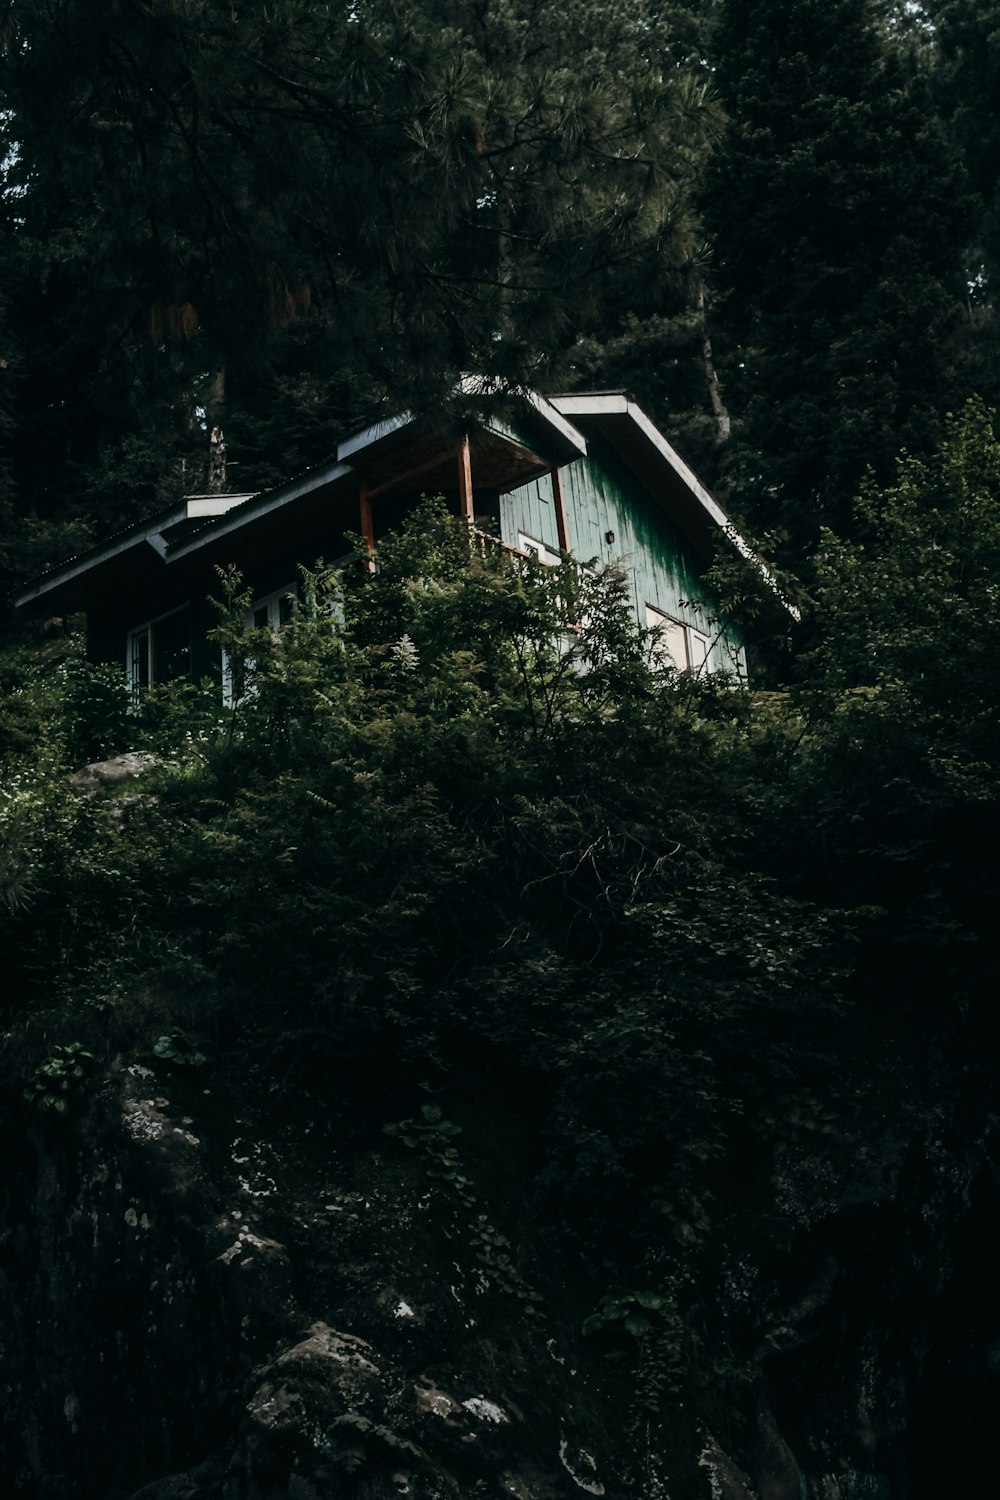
{"points": [[154, 531], [260, 505], [702, 518]]}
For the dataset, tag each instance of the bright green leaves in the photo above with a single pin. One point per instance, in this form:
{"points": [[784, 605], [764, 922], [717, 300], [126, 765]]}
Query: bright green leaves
{"points": [[625, 1310], [179, 1048], [59, 1082]]}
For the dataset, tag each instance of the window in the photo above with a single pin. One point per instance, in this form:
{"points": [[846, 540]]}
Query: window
{"points": [[700, 648], [274, 609], [269, 612], [668, 643], [539, 551], [675, 644], [159, 650]]}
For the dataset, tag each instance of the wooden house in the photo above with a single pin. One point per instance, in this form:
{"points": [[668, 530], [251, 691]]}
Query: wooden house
{"points": [[585, 474]]}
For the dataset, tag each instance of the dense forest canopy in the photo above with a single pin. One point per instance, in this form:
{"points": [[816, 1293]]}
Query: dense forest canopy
{"points": [[278, 216], [775, 224], [650, 1017]]}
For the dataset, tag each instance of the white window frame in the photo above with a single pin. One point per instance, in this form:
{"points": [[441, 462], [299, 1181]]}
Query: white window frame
{"points": [[669, 633], [700, 650], [272, 603], [131, 660], [548, 556]]}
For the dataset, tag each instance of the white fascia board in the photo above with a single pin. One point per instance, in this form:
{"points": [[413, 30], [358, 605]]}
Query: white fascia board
{"points": [[152, 533], [550, 412], [469, 385], [202, 507], [670, 455], [616, 403], [263, 504], [65, 573], [352, 446], [712, 507], [600, 404]]}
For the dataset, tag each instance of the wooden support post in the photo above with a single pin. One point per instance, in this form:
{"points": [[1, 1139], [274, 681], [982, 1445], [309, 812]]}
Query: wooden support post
{"points": [[559, 499], [465, 502], [368, 527]]}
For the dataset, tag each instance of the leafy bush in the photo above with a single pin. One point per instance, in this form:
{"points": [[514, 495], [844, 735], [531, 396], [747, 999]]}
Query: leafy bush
{"points": [[697, 943], [59, 1081]]}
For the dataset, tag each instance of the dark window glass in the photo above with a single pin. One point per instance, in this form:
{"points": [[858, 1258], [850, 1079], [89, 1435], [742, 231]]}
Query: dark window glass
{"points": [[171, 647], [140, 659]]}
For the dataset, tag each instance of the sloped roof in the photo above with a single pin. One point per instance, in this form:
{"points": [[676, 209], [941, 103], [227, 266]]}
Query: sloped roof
{"points": [[658, 465], [392, 447], [160, 531]]}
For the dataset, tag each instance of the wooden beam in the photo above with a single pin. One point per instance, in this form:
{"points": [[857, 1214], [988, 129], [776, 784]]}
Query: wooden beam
{"points": [[465, 501], [559, 499], [405, 474], [368, 525]]}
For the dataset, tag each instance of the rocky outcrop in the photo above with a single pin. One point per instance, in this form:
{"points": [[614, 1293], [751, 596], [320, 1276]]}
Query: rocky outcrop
{"points": [[202, 1301], [101, 775], [212, 1315]]}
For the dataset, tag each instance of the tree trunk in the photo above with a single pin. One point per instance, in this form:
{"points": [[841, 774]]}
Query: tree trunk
{"points": [[723, 425], [215, 404]]}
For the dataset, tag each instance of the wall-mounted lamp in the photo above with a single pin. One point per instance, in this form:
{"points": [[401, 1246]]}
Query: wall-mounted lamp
{"points": [[609, 537]]}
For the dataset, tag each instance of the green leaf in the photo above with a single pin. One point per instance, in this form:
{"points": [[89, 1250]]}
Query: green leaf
{"points": [[637, 1325], [649, 1300]]}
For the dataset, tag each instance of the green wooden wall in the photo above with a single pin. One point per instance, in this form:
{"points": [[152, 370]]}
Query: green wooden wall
{"points": [[664, 569]]}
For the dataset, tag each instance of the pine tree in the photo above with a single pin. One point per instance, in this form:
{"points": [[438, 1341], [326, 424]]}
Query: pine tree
{"points": [[839, 211], [651, 337], [967, 90], [228, 214]]}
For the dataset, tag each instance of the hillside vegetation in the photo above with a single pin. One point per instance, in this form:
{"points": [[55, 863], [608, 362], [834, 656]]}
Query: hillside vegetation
{"points": [[634, 1033], [479, 1061]]}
